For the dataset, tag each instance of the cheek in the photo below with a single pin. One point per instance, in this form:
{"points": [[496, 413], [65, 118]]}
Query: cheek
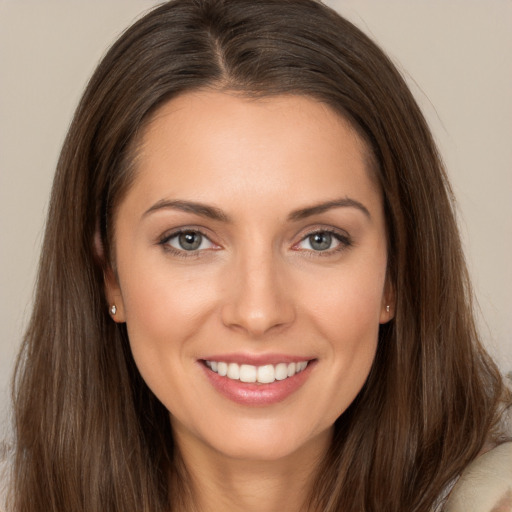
{"points": [[351, 326], [163, 309], [348, 305], [165, 312], [156, 291], [347, 313]]}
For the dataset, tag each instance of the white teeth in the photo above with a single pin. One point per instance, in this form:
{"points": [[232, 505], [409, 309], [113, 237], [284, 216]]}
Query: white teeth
{"points": [[222, 369], [266, 374], [281, 371], [248, 373], [233, 371], [262, 374]]}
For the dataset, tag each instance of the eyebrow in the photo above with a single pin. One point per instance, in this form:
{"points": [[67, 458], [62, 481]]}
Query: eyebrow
{"points": [[201, 209], [217, 214], [344, 202]]}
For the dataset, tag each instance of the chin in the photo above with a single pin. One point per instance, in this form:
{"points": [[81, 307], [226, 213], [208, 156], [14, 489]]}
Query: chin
{"points": [[263, 440]]}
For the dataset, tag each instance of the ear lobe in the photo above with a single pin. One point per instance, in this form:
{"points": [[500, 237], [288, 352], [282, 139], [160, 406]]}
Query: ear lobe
{"points": [[114, 296], [112, 289], [388, 304]]}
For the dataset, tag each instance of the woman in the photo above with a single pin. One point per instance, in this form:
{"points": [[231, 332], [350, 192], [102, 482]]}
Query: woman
{"points": [[252, 294]]}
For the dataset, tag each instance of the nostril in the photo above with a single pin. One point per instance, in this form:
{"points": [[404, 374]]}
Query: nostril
{"points": [[258, 317]]}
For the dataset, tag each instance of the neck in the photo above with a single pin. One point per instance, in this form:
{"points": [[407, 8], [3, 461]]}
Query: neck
{"points": [[218, 482]]}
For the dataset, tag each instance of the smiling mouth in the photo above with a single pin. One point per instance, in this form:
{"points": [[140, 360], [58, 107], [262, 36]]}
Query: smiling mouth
{"points": [[265, 374]]}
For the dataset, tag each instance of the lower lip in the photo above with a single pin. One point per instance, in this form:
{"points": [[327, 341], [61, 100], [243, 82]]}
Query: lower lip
{"points": [[258, 394]]}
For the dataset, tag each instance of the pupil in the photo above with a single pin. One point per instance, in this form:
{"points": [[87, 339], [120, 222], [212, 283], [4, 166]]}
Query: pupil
{"points": [[320, 241], [190, 241]]}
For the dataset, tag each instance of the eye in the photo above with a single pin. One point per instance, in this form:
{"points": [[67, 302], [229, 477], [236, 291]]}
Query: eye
{"points": [[324, 241], [320, 241], [188, 241]]}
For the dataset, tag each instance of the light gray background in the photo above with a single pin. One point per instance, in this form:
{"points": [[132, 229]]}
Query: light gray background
{"points": [[456, 54]]}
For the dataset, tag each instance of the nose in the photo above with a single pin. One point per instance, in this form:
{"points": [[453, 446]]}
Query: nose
{"points": [[260, 298]]}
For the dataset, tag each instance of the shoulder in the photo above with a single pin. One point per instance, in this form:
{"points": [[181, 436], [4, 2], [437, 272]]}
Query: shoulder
{"points": [[486, 484]]}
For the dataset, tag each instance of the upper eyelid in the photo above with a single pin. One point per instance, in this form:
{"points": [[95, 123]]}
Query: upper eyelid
{"points": [[339, 233], [344, 239], [171, 233], [311, 230], [164, 242]]}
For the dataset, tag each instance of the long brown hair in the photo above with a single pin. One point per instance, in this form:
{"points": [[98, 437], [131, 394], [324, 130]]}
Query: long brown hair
{"points": [[90, 435]]}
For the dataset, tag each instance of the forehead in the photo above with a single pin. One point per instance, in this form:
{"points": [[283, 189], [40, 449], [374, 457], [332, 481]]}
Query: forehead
{"points": [[231, 109], [215, 145]]}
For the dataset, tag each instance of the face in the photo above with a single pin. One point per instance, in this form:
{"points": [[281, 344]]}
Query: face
{"points": [[250, 259]]}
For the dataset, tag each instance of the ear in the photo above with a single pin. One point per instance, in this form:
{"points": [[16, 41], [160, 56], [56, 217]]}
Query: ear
{"points": [[114, 296], [111, 282], [388, 304]]}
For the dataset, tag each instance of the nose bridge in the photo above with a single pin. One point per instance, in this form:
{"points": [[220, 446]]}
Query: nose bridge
{"points": [[259, 301]]}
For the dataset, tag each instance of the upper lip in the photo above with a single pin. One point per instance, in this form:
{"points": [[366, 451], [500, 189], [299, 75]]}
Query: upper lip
{"points": [[257, 359]]}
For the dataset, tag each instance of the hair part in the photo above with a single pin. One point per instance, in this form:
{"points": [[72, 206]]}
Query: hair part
{"points": [[90, 434]]}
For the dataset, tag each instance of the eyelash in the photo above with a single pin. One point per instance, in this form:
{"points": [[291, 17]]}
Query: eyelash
{"points": [[182, 253], [345, 242]]}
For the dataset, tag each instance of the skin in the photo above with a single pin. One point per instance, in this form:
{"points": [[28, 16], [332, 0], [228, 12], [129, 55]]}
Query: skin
{"points": [[505, 504], [256, 285]]}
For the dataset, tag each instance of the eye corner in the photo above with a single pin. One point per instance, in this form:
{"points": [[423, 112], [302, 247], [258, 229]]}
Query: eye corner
{"points": [[176, 243], [334, 241]]}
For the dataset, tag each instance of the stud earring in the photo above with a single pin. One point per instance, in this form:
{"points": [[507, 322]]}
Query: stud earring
{"points": [[113, 309], [387, 308]]}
